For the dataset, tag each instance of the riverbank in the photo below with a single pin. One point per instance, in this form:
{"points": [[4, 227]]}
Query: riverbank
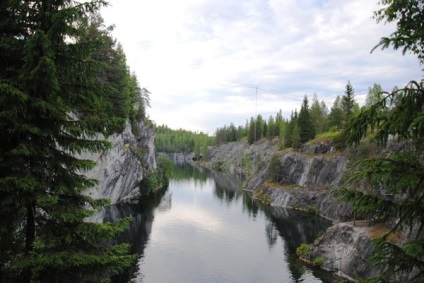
{"points": [[309, 179]]}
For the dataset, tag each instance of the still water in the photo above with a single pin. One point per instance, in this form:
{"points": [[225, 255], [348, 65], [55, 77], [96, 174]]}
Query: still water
{"points": [[204, 228]]}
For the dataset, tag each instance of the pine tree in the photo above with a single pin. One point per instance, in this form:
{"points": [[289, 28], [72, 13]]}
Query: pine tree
{"points": [[49, 101], [305, 122], [289, 129], [392, 187], [348, 102], [319, 113], [251, 138], [335, 119]]}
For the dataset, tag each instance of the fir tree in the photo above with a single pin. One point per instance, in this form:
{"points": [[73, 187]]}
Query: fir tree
{"points": [[305, 122], [335, 119], [392, 187], [49, 101], [348, 102]]}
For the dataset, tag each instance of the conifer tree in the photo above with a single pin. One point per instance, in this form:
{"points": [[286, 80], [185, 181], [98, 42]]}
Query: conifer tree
{"points": [[391, 187], [348, 102], [335, 119], [305, 122], [49, 101]]}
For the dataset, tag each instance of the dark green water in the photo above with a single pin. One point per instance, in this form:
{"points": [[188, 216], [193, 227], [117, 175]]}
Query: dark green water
{"points": [[203, 228]]}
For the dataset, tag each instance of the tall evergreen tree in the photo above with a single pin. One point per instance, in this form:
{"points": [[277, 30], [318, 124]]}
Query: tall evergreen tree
{"points": [[251, 138], [392, 187], [319, 113], [49, 101], [348, 102], [289, 129], [305, 122], [335, 119]]}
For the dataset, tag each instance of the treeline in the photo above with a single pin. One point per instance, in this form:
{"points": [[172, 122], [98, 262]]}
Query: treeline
{"points": [[64, 83], [122, 97], [302, 125], [169, 140]]}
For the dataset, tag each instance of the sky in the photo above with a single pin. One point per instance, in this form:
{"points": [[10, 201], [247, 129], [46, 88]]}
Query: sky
{"points": [[209, 63]]}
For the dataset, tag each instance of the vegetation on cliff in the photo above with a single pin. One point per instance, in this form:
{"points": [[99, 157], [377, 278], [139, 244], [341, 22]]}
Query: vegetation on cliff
{"points": [[391, 187], [63, 82]]}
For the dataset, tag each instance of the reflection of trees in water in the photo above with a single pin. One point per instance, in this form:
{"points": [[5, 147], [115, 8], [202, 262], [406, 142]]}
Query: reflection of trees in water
{"points": [[250, 206], [139, 231], [295, 228], [184, 171], [166, 202], [271, 234]]}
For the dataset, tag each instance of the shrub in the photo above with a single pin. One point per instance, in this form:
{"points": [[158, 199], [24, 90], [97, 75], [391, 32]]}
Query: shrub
{"points": [[303, 251], [319, 261]]}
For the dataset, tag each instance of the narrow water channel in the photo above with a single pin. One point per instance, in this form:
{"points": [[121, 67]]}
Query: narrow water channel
{"points": [[204, 228]]}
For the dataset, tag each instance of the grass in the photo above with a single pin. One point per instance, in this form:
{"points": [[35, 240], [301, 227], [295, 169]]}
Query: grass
{"points": [[325, 137], [381, 230]]}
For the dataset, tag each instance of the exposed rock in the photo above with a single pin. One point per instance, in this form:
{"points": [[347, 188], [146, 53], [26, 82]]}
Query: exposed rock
{"points": [[307, 178], [347, 250], [120, 169]]}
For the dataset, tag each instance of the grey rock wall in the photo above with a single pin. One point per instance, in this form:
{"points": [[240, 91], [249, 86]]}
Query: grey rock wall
{"points": [[120, 169]]}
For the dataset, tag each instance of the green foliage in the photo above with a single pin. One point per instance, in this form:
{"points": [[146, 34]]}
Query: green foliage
{"points": [[336, 117], [409, 19], [305, 123], [295, 137], [159, 178], [319, 261], [169, 140], [348, 102], [275, 169], [392, 187], [52, 103], [319, 113], [166, 165], [303, 251]]}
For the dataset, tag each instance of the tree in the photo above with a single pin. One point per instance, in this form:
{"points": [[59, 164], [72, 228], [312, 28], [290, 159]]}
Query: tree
{"points": [[50, 97], [409, 18], [289, 129], [252, 131], [295, 137], [375, 94], [319, 113], [392, 187], [305, 122], [271, 127], [348, 102], [335, 119]]}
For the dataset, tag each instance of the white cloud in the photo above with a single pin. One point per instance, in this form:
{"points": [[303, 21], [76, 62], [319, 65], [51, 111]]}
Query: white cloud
{"points": [[202, 59]]}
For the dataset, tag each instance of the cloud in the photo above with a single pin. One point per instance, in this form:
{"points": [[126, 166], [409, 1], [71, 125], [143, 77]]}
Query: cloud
{"points": [[202, 59]]}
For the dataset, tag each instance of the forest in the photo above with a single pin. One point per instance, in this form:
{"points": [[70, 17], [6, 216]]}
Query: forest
{"points": [[65, 87]]}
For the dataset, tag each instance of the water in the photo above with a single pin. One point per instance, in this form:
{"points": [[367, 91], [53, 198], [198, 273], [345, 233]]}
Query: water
{"points": [[203, 228]]}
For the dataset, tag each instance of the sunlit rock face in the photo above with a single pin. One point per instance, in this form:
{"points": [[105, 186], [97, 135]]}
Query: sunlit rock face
{"points": [[347, 249], [120, 169], [307, 178]]}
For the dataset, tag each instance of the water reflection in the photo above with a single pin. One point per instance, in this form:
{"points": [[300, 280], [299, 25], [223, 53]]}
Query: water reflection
{"points": [[204, 228]]}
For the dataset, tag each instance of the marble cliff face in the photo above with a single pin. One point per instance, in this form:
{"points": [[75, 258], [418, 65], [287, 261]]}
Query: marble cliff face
{"points": [[120, 169]]}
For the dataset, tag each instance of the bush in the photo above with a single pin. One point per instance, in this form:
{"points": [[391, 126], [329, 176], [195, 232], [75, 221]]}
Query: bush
{"points": [[303, 251], [319, 261], [274, 169]]}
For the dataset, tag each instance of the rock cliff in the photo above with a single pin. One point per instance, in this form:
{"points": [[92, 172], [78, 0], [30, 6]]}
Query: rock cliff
{"points": [[120, 169], [308, 176], [307, 179]]}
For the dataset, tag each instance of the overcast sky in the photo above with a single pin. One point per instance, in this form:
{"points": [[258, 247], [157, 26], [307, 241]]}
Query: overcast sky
{"points": [[203, 59]]}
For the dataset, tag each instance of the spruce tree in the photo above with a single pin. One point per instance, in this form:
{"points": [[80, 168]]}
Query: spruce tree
{"points": [[335, 119], [49, 101], [348, 102], [391, 187], [305, 122]]}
